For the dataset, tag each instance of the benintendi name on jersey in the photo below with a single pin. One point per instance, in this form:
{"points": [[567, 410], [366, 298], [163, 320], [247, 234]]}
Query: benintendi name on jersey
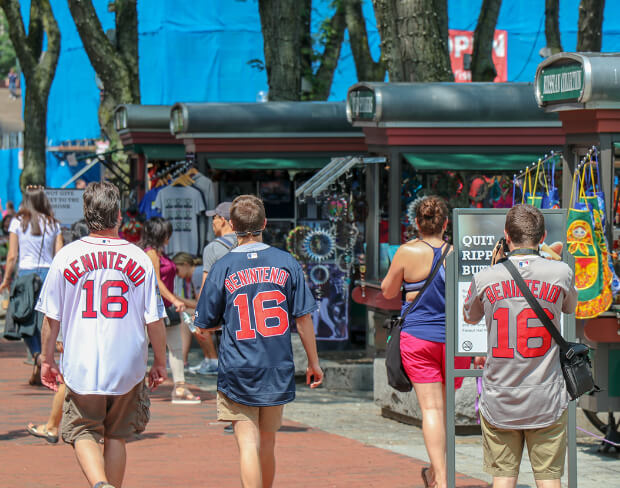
{"points": [[104, 260], [540, 289], [252, 276]]}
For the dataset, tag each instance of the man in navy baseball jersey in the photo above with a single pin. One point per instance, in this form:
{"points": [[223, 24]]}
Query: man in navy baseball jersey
{"points": [[257, 291]]}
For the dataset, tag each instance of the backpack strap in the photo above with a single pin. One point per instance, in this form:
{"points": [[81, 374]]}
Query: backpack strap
{"points": [[224, 242]]}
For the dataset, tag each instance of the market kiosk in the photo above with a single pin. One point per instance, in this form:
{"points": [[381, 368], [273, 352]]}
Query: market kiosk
{"points": [[271, 149], [584, 90], [145, 133]]}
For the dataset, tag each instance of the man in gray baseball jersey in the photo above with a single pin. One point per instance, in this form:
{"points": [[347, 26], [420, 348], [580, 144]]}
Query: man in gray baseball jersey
{"points": [[524, 397]]}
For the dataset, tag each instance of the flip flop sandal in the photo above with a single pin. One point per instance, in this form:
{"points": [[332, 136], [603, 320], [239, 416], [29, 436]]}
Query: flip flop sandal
{"points": [[185, 398], [427, 483], [32, 430]]}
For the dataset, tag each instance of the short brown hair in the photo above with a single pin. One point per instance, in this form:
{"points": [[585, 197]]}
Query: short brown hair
{"points": [[247, 215], [102, 203], [431, 213], [525, 225]]}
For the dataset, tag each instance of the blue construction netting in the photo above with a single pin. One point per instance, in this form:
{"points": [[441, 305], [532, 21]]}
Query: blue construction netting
{"points": [[200, 51]]}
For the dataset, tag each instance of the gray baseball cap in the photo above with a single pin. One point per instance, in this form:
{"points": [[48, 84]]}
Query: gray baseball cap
{"points": [[223, 210]]}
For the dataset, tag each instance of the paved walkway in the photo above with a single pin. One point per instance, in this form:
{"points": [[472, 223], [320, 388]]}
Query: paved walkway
{"points": [[184, 446]]}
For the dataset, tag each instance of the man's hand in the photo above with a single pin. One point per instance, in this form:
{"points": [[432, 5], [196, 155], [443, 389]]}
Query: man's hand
{"points": [[50, 374], [479, 362], [157, 375], [314, 375], [498, 252]]}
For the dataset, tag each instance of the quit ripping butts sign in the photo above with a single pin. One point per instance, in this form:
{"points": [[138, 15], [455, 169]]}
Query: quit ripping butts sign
{"points": [[475, 233]]}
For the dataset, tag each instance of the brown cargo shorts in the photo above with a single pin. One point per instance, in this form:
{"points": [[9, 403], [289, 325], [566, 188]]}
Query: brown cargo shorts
{"points": [[267, 419], [97, 416], [546, 446]]}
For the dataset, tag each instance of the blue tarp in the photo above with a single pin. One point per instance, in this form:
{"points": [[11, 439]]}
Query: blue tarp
{"points": [[9, 183], [199, 52]]}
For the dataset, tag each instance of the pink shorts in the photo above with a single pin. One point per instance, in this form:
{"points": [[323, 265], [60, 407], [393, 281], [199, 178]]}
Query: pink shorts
{"points": [[425, 361]]}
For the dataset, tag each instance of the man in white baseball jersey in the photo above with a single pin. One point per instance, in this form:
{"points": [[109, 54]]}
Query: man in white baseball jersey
{"points": [[101, 291], [524, 397]]}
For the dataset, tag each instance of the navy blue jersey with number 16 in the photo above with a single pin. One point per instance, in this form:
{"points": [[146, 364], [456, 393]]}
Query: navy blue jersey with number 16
{"points": [[257, 291]]}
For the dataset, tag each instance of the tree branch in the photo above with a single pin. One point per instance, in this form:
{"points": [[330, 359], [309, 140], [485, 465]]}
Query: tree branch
{"points": [[324, 76], [35, 30], [17, 33], [552, 26], [101, 53], [127, 41], [482, 67], [590, 25], [367, 69], [390, 51], [49, 58]]}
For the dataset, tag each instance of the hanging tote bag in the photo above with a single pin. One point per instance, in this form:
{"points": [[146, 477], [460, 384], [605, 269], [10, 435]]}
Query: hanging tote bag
{"points": [[574, 360], [397, 378], [594, 298], [534, 199], [596, 202], [551, 199]]}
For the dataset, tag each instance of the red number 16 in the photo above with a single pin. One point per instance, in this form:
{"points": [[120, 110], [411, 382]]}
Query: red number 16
{"points": [[261, 314]]}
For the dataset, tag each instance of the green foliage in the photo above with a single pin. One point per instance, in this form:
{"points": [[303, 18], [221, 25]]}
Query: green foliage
{"points": [[8, 59]]}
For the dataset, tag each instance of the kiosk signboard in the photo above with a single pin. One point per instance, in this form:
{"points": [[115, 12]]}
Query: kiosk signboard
{"points": [[475, 233], [68, 205], [563, 83]]}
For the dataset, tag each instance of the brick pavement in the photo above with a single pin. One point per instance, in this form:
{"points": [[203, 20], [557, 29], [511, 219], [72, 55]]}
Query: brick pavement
{"points": [[185, 446]]}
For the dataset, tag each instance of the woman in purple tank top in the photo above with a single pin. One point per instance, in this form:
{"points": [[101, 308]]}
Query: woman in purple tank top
{"points": [[155, 235], [423, 336]]}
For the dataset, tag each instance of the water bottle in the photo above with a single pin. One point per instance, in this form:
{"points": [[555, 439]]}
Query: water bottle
{"points": [[189, 321]]}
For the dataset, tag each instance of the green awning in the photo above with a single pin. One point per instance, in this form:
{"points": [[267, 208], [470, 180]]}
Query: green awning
{"points": [[475, 162], [268, 163], [162, 152]]}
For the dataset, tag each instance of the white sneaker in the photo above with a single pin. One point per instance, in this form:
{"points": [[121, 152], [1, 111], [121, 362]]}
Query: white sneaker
{"points": [[207, 368], [202, 364]]}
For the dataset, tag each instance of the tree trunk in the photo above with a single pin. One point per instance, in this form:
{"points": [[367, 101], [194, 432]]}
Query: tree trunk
{"points": [[414, 39], [590, 25], [282, 23], [552, 26], [367, 69], [39, 68], [116, 64], [482, 67]]}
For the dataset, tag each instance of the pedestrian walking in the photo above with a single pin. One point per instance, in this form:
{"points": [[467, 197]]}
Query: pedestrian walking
{"points": [[101, 292], [423, 332], [258, 291], [12, 76], [155, 237], [524, 397], [34, 238]]}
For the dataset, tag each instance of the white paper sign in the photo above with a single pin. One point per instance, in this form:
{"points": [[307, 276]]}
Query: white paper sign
{"points": [[68, 205]]}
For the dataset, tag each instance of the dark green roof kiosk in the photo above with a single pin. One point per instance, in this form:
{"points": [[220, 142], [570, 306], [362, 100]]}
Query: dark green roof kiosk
{"points": [[584, 89], [448, 126], [145, 133]]}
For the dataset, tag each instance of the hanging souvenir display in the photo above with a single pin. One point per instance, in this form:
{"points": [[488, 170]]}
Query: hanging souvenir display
{"points": [[594, 297], [535, 199], [551, 198]]}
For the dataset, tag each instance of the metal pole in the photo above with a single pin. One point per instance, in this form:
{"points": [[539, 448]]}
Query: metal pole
{"points": [[395, 185], [372, 222], [606, 164], [451, 320]]}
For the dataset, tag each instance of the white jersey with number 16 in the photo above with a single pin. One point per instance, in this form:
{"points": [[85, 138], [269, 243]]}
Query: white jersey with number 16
{"points": [[103, 291]]}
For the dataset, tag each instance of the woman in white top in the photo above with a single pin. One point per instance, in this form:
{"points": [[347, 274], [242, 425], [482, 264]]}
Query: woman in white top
{"points": [[34, 236]]}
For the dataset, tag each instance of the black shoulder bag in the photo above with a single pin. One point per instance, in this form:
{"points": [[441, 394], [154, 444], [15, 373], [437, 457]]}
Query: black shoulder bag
{"points": [[576, 366], [397, 378]]}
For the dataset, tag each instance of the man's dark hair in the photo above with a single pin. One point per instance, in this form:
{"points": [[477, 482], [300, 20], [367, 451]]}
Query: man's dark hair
{"points": [[155, 232], [525, 225], [102, 203], [247, 215]]}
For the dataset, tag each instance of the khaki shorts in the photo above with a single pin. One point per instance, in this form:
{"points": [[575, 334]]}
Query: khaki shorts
{"points": [[267, 419], [546, 447], [97, 416]]}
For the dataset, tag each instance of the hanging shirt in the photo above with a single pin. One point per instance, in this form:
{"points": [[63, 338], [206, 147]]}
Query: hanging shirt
{"points": [[147, 204], [258, 290], [103, 291], [207, 188], [181, 205]]}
